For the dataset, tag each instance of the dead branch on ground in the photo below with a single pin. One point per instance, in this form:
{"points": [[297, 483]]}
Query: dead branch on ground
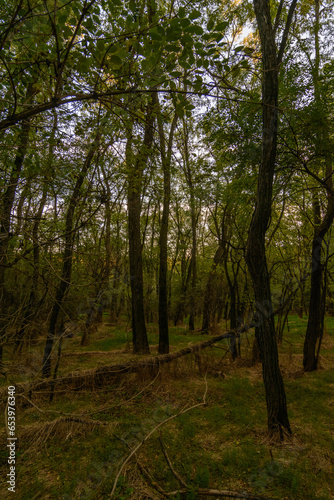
{"points": [[97, 377]]}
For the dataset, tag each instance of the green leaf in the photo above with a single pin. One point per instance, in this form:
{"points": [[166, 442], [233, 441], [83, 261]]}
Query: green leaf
{"points": [[180, 112], [61, 20], [182, 12], [187, 40], [83, 64], [239, 49], [221, 26], [67, 32], [194, 15], [175, 24], [235, 72], [154, 34], [172, 48], [185, 22], [115, 60], [198, 84], [218, 36], [133, 6], [100, 45], [194, 29], [161, 31], [173, 35], [210, 25], [184, 63], [89, 24], [211, 52], [245, 64]]}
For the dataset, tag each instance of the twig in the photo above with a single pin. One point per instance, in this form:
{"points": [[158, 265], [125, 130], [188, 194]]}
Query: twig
{"points": [[151, 480], [178, 477], [134, 451], [143, 469]]}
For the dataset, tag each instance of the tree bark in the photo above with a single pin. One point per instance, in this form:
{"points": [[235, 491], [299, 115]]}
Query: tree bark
{"points": [[208, 307], [135, 168], [8, 199], [193, 261], [163, 245], [315, 322], [67, 261], [278, 422], [30, 310], [98, 376]]}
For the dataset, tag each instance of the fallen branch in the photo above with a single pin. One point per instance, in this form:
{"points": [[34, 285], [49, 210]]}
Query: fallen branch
{"points": [[60, 427], [102, 409], [99, 376], [220, 494], [136, 448], [170, 465]]}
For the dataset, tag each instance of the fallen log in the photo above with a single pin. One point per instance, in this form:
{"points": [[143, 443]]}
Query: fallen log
{"points": [[97, 377]]}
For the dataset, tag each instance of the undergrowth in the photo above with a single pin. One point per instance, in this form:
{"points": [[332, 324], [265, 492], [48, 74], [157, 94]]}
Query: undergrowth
{"points": [[72, 448]]}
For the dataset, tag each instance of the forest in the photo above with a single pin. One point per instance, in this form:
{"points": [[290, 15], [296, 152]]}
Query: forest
{"points": [[166, 261]]}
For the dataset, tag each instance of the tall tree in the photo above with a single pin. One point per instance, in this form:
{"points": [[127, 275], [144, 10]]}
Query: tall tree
{"points": [[322, 225], [65, 278], [136, 163], [166, 158], [278, 422], [188, 171]]}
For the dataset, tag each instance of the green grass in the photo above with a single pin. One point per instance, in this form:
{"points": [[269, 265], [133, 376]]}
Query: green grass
{"points": [[222, 445]]}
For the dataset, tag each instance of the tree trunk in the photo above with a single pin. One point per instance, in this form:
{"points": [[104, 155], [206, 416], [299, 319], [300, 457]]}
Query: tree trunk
{"points": [[163, 246], [30, 309], [8, 199], [208, 307], [315, 322], [67, 262], [278, 422], [193, 261], [135, 167]]}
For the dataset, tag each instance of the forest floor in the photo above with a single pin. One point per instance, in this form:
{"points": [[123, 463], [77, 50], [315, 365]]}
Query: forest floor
{"points": [[73, 447]]}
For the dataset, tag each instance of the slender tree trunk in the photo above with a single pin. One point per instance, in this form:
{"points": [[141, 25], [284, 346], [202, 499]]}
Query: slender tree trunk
{"points": [[5, 224], [116, 302], [135, 167], [278, 422], [208, 307], [315, 322], [67, 261], [30, 309], [163, 244], [8, 199], [193, 261]]}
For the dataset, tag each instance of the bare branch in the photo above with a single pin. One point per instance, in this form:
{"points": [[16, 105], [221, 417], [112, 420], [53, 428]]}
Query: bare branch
{"points": [[136, 448]]}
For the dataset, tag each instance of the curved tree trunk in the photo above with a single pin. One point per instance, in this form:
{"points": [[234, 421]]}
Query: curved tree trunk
{"points": [[315, 322], [278, 422], [67, 262]]}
